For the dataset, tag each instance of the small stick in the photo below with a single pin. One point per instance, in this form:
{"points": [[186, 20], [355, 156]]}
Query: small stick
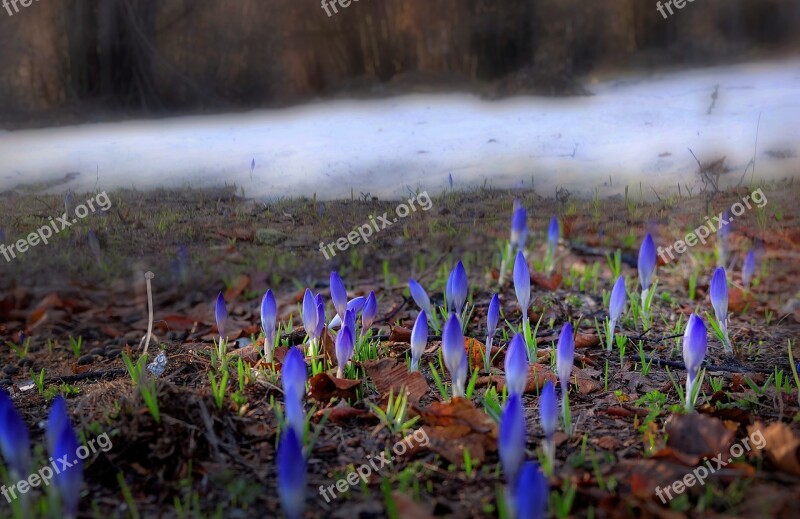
{"points": [[148, 276]]}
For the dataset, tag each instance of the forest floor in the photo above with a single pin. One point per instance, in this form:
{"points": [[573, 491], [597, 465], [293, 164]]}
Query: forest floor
{"points": [[82, 302]]}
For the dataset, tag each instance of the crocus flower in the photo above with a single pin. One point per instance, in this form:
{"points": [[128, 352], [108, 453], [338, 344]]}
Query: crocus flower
{"points": [[356, 304], [350, 323], [419, 339], [291, 474], [492, 317], [338, 294], [457, 288], [294, 373], [295, 414], [369, 313], [320, 317], [68, 481], [522, 284], [269, 317], [565, 357], [531, 501], [511, 439], [695, 344], [14, 439], [55, 421], [553, 234], [455, 358], [221, 314], [419, 296], [516, 365], [548, 415], [719, 300], [344, 349], [519, 227], [616, 305], [310, 314], [647, 262], [748, 269]]}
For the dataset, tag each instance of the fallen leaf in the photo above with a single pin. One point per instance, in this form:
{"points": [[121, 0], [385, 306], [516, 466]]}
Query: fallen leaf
{"points": [[780, 443], [697, 436], [456, 427], [342, 414], [323, 387], [176, 322], [388, 375], [586, 340], [237, 288], [400, 334], [551, 283], [407, 508]]}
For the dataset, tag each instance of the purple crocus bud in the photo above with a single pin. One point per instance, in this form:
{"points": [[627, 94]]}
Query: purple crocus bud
{"points": [[532, 490], [493, 316], [291, 474], [55, 421], [516, 365], [553, 234], [511, 439], [310, 314], [565, 356], [369, 313], [695, 344], [294, 373], [14, 439], [455, 358], [548, 409], [344, 349], [748, 268], [338, 294], [355, 304], [269, 318], [68, 481], [419, 339], [457, 288], [320, 317], [221, 314], [719, 294], [294, 412], [519, 226], [647, 261], [616, 303], [522, 284], [420, 297]]}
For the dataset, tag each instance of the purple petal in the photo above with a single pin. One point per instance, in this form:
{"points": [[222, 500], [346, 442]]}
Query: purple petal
{"points": [[221, 314], [719, 294], [294, 372], [519, 226], [532, 492], [457, 288], [69, 480], [516, 366], [14, 439], [420, 297], [647, 261], [511, 439], [616, 304], [344, 346], [453, 353], [553, 233], [419, 338], [291, 474], [493, 315], [338, 294], [565, 355], [369, 313], [522, 283], [269, 317], [695, 344], [310, 313], [548, 409]]}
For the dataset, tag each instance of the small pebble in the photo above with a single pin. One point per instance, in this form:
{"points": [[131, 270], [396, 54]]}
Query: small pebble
{"points": [[86, 359]]}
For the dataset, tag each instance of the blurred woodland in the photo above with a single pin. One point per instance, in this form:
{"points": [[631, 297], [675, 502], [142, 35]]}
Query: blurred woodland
{"points": [[161, 56]]}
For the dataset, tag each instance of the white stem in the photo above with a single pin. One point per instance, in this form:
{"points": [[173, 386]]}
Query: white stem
{"points": [[148, 276], [612, 325]]}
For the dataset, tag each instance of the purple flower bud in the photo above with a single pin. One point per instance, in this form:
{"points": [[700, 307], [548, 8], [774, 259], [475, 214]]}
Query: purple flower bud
{"points": [[455, 358], [310, 314], [295, 414], [68, 481], [492, 316], [320, 317], [616, 304], [532, 491], [457, 288], [338, 294], [519, 227], [749, 268], [350, 323], [516, 365], [344, 349], [369, 313], [419, 339], [565, 356], [695, 344], [14, 439], [548, 409], [294, 372], [719, 294], [291, 474], [269, 318], [221, 314], [553, 234], [420, 297], [522, 283], [55, 421], [647, 261], [511, 439], [355, 304]]}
